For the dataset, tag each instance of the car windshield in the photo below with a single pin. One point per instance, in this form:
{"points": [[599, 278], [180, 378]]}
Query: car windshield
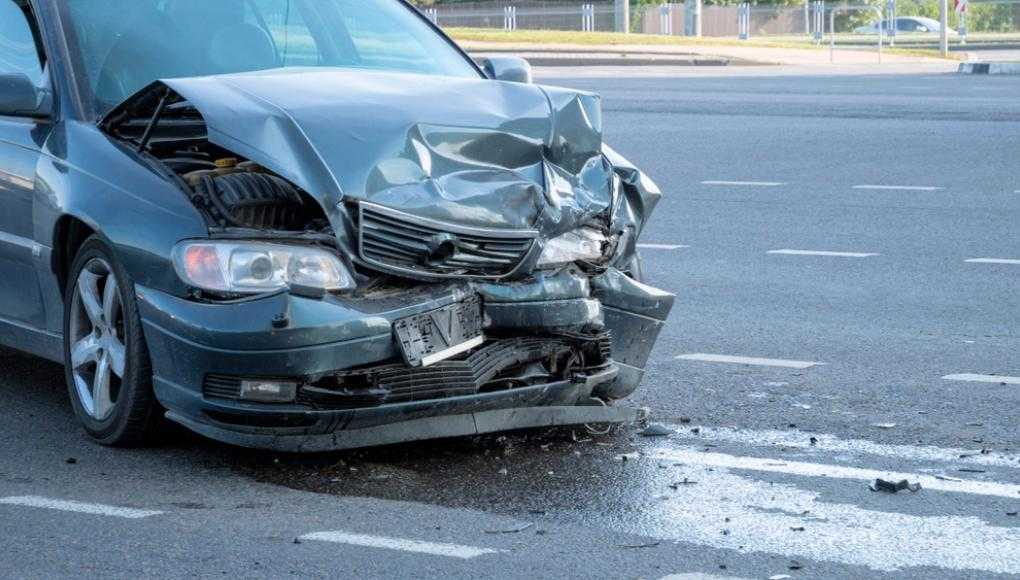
{"points": [[126, 44]]}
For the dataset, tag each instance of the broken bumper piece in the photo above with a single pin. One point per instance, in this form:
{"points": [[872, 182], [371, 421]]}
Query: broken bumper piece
{"points": [[554, 348]]}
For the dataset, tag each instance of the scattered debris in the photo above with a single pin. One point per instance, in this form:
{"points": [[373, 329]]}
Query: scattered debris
{"points": [[628, 456], [971, 470], [685, 420], [503, 471], [894, 486], [813, 440], [656, 430], [779, 577], [884, 425], [297, 540], [802, 406], [975, 424], [71, 460], [1011, 513], [796, 528], [537, 512], [795, 565], [636, 546], [511, 530], [947, 478], [695, 430]]}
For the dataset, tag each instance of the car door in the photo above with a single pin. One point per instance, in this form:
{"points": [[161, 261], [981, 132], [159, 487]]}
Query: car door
{"points": [[21, 139]]}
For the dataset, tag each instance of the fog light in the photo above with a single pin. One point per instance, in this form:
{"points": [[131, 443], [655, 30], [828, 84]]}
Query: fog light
{"points": [[269, 391]]}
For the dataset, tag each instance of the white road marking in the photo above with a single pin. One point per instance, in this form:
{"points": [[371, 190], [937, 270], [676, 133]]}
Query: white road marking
{"points": [[662, 246], [689, 456], [801, 440], [77, 507], [975, 378], [750, 183], [789, 252], [404, 545], [739, 512], [993, 261], [748, 360], [899, 187]]}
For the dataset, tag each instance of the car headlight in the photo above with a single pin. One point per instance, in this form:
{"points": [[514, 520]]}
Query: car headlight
{"points": [[583, 244], [255, 267]]}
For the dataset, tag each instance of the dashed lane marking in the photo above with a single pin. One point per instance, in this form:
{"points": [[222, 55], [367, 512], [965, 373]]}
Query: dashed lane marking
{"points": [[899, 187], [747, 183], [976, 378], [723, 460], [749, 360], [821, 442], [78, 507], [401, 544], [788, 252], [993, 261], [661, 246]]}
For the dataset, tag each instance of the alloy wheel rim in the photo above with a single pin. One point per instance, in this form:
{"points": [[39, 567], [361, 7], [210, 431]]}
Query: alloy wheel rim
{"points": [[97, 331]]}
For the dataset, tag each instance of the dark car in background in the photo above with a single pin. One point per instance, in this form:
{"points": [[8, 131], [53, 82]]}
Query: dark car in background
{"points": [[310, 225]]}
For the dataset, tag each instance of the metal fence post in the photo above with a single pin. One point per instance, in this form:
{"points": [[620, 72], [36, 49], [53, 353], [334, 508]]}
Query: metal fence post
{"points": [[807, 17], [944, 28], [697, 18], [665, 19], [890, 21], [744, 21], [819, 21], [621, 15]]}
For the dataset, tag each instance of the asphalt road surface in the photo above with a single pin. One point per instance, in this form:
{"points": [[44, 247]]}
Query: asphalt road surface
{"points": [[846, 252]]}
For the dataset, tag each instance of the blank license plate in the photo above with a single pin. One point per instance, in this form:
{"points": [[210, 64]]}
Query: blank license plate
{"points": [[440, 334]]}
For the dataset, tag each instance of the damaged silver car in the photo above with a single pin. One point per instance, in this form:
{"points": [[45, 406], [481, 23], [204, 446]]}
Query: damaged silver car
{"points": [[311, 225]]}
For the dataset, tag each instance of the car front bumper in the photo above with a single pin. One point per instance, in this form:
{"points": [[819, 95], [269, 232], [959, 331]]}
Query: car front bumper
{"points": [[289, 336]]}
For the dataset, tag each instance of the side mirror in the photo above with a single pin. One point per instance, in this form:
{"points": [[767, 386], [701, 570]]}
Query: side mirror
{"points": [[506, 68], [19, 97]]}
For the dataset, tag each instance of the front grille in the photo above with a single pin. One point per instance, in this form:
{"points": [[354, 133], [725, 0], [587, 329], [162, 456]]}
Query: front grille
{"points": [[499, 365], [396, 241]]}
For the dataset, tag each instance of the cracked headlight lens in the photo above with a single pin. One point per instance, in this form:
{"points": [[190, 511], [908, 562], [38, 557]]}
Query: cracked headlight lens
{"points": [[255, 267], [583, 244]]}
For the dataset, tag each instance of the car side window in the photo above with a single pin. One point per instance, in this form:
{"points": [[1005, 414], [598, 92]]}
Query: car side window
{"points": [[18, 49]]}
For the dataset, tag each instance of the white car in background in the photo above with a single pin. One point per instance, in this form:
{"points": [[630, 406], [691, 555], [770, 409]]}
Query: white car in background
{"points": [[905, 25]]}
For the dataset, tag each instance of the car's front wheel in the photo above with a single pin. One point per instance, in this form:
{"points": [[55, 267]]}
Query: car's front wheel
{"points": [[107, 364]]}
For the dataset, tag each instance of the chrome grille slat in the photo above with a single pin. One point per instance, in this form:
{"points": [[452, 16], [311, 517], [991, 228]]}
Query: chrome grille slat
{"points": [[393, 240]]}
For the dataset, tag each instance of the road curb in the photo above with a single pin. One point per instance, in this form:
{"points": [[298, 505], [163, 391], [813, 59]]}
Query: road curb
{"points": [[990, 68]]}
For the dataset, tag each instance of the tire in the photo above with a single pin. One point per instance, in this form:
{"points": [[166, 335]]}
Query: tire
{"points": [[120, 409]]}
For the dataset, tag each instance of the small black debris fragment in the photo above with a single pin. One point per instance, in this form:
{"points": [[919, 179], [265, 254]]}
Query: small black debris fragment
{"points": [[722, 566], [685, 420], [537, 512], [1011, 513], [297, 540], [797, 528], [511, 530], [676, 485], [695, 430], [656, 430], [637, 546], [814, 440], [894, 486], [71, 461], [795, 565], [971, 470]]}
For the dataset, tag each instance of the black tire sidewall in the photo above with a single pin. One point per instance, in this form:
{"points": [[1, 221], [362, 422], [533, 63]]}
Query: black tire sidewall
{"points": [[135, 397]]}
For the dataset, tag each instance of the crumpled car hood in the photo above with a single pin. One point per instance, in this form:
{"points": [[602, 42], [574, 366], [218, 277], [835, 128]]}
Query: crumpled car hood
{"points": [[472, 152]]}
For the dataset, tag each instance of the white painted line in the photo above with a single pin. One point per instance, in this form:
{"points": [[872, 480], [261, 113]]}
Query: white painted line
{"points": [[899, 187], [750, 183], [448, 550], [662, 246], [788, 252], [77, 507], [975, 378], [771, 465], [748, 360], [824, 443], [743, 511], [993, 261]]}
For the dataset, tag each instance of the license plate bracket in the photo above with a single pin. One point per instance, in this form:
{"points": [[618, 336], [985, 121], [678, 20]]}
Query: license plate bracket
{"points": [[439, 334]]}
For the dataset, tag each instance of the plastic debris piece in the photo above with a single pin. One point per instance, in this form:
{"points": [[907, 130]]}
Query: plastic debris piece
{"points": [[894, 486], [947, 478], [795, 565], [636, 546], [971, 470], [797, 528], [677, 484], [779, 577], [883, 425], [628, 456], [656, 430]]}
